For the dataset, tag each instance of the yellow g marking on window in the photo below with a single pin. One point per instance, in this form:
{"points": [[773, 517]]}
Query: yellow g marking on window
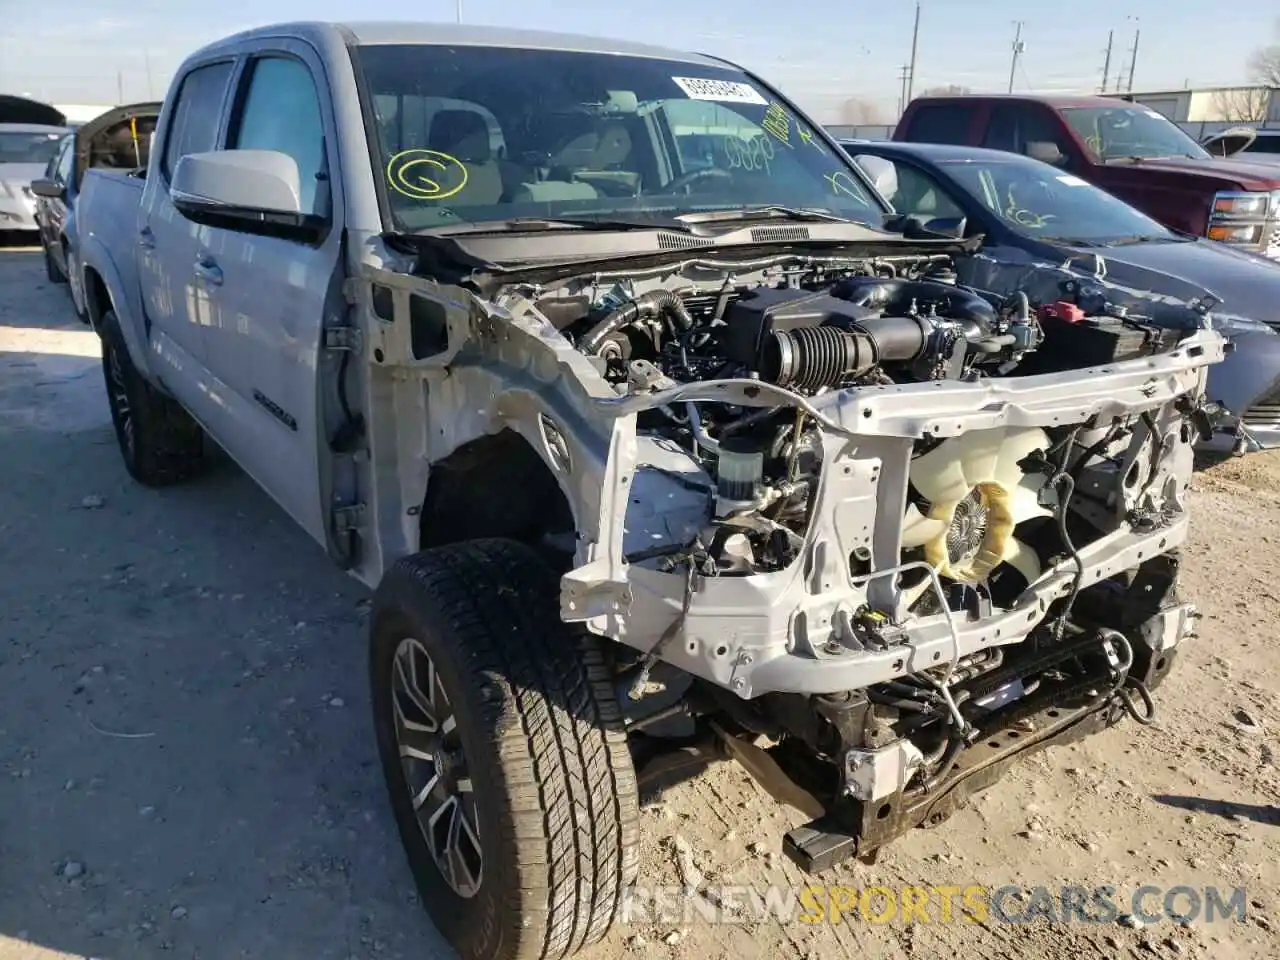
{"points": [[426, 174], [844, 183]]}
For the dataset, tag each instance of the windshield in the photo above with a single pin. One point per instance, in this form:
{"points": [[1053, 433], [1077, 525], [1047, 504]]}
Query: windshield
{"points": [[1128, 132], [476, 134], [1038, 200], [28, 147]]}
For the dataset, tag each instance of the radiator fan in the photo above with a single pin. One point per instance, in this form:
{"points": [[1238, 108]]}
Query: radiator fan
{"points": [[977, 495]]}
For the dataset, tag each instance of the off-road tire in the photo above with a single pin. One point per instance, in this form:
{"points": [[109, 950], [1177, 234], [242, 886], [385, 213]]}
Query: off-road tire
{"points": [[51, 270], [167, 445], [555, 790]]}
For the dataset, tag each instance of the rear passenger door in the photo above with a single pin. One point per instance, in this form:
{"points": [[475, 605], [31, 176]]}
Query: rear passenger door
{"points": [[174, 301], [269, 294]]}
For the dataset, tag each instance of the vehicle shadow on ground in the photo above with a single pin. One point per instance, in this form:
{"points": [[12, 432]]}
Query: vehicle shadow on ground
{"points": [[186, 753], [1227, 809]]}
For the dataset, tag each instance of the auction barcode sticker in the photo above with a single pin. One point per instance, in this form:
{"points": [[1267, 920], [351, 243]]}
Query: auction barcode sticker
{"points": [[727, 91]]}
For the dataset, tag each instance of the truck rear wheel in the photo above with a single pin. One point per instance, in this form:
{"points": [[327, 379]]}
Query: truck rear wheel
{"points": [[503, 750], [160, 442]]}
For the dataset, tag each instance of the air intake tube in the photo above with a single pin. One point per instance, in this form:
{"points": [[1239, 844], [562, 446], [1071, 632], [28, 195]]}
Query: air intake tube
{"points": [[840, 351]]}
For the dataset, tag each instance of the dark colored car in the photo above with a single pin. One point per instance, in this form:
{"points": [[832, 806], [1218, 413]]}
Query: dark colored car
{"points": [[1126, 149], [118, 139], [1035, 218]]}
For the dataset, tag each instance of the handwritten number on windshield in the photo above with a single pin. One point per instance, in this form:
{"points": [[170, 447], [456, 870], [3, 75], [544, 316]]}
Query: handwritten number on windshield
{"points": [[754, 154], [778, 122]]}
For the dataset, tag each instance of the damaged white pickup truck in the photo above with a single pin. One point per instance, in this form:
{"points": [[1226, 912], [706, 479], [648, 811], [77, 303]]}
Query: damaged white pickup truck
{"points": [[597, 362]]}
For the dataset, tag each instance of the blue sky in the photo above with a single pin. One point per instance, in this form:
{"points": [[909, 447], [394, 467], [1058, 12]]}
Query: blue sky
{"points": [[822, 52]]}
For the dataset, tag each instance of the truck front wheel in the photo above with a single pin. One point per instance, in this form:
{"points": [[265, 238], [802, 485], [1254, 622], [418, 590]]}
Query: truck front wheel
{"points": [[503, 750], [160, 442]]}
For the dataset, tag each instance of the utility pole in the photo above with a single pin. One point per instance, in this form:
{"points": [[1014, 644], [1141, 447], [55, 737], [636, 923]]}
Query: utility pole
{"points": [[459, 11], [1133, 62], [915, 43], [1017, 52], [119, 86], [146, 60], [903, 95], [1106, 66]]}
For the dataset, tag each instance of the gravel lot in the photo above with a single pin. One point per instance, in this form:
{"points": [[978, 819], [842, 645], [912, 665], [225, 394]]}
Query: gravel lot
{"points": [[187, 765]]}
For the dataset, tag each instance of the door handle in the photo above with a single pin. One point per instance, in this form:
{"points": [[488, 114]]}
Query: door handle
{"points": [[146, 239], [209, 271]]}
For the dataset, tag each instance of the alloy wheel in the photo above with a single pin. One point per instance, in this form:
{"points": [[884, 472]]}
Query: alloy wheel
{"points": [[435, 768], [120, 399]]}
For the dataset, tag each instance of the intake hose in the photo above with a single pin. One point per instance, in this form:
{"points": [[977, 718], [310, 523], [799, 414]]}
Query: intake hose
{"points": [[651, 304], [839, 351], [894, 295]]}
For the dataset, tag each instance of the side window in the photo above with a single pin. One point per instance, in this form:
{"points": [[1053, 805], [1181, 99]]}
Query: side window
{"points": [[53, 169], [1002, 129], [941, 123], [911, 191], [1027, 129], [66, 161], [280, 110], [197, 113]]}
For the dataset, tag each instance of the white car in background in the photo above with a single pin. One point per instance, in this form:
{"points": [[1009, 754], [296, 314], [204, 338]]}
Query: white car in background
{"points": [[25, 152]]}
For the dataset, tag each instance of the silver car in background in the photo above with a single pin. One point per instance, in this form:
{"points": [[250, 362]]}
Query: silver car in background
{"points": [[25, 152]]}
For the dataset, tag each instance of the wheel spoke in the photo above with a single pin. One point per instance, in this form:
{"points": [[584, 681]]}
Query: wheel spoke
{"points": [[421, 797], [463, 852], [410, 697]]}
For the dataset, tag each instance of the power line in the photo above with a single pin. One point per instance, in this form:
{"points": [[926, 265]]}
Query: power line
{"points": [[1133, 62], [1018, 47], [1106, 66], [915, 43]]}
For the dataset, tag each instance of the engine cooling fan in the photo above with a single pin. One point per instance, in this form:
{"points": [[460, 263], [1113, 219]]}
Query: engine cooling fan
{"points": [[977, 494]]}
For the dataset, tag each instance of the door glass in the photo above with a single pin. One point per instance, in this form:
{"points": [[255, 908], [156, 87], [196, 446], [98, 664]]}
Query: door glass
{"points": [[1002, 129], [941, 123], [1027, 129], [911, 191], [282, 112], [66, 160], [194, 127]]}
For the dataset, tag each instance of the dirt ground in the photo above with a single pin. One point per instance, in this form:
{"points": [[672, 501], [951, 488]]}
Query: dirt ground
{"points": [[187, 766]]}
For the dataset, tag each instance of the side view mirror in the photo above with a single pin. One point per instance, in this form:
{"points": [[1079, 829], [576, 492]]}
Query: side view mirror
{"points": [[912, 227], [254, 191], [50, 189], [953, 227], [1046, 151]]}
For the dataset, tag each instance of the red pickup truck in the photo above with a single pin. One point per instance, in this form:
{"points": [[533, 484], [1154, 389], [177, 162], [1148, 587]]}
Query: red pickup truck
{"points": [[1123, 147]]}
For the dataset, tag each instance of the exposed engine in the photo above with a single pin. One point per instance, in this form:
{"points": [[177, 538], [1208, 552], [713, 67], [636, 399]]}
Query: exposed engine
{"points": [[810, 334], [987, 512]]}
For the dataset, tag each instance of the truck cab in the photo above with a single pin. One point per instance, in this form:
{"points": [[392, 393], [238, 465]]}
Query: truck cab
{"points": [[1125, 148]]}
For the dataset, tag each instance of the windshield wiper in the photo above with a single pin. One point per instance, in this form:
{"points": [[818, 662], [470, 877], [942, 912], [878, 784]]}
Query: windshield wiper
{"points": [[770, 210], [1071, 241], [1137, 238], [575, 222]]}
